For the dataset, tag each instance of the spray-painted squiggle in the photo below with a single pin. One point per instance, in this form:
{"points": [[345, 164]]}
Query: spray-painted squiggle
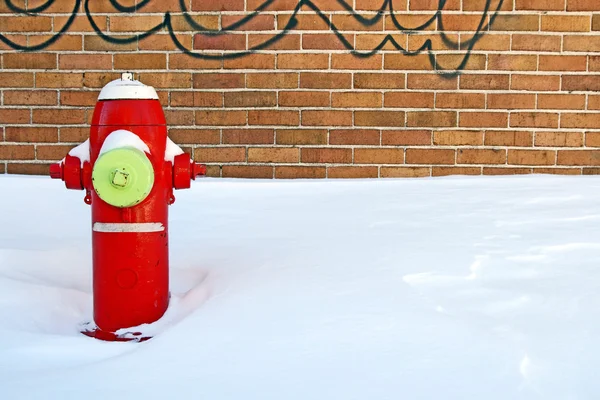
{"points": [[387, 6]]}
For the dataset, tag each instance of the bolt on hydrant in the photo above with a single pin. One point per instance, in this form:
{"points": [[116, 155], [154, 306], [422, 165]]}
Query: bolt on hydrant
{"points": [[128, 169]]}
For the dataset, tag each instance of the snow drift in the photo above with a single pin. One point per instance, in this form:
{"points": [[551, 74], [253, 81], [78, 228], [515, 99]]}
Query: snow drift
{"points": [[441, 288]]}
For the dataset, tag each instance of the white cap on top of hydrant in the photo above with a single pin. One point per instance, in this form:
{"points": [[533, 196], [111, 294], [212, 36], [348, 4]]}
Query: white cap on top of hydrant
{"points": [[127, 88]]}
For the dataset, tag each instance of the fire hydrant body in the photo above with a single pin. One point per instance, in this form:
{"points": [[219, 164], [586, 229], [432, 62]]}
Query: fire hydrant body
{"points": [[129, 168]]}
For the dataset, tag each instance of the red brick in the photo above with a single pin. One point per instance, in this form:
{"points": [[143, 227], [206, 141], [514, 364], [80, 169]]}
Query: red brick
{"points": [[510, 101], [52, 152], [220, 154], [356, 99], [578, 157], [445, 171], [194, 136], [533, 120], [505, 171], [323, 80], [303, 61], [14, 115], [28, 169], [460, 100], [379, 156], [260, 22], [248, 136], [483, 119], [184, 61], [406, 138], [273, 155], [30, 97], [547, 5], [592, 139], [409, 99], [280, 80], [219, 118], [508, 138], [326, 118], [512, 62], [248, 171], [321, 41], [531, 157], [74, 134], [379, 80], [582, 5], [563, 63], [559, 139], [566, 23], [16, 79], [16, 152], [430, 156], [379, 118], [354, 137], [458, 138], [532, 42], [31, 134], [431, 118], [85, 61], [140, 61], [58, 116], [29, 60], [431, 82], [575, 120], [222, 5], [196, 99], [304, 99], [218, 81], [558, 171], [581, 83], [326, 155], [78, 98], [484, 82], [301, 136], [289, 172], [273, 117], [561, 101], [481, 156], [352, 172], [536, 83], [220, 42], [250, 99], [405, 172]]}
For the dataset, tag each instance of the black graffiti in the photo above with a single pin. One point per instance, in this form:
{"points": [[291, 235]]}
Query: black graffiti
{"points": [[387, 6]]}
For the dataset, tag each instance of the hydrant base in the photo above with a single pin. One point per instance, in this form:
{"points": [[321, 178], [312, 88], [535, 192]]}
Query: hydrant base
{"points": [[99, 334]]}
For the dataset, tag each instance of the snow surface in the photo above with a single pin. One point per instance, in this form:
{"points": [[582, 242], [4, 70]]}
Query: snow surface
{"points": [[437, 288], [172, 150], [82, 152], [123, 138]]}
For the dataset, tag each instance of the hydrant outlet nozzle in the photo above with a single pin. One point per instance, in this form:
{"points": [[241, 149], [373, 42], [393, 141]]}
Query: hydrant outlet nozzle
{"points": [[56, 171], [198, 169]]}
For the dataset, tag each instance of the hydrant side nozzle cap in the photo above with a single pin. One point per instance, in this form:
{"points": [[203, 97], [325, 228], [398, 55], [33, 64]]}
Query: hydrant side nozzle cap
{"points": [[123, 177], [127, 88]]}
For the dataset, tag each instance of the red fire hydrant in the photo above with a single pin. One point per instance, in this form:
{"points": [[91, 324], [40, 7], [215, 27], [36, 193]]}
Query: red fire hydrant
{"points": [[128, 168]]}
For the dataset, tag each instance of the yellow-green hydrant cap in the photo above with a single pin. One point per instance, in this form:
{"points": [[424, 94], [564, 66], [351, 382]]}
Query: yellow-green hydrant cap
{"points": [[123, 177]]}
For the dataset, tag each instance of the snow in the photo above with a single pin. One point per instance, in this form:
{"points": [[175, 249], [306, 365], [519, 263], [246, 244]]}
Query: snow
{"points": [[123, 138], [434, 288], [82, 152], [172, 150]]}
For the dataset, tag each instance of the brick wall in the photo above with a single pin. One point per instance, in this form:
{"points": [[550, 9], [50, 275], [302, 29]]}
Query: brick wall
{"points": [[490, 87]]}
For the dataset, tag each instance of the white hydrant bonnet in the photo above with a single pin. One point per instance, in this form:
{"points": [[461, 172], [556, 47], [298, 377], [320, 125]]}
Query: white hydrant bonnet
{"points": [[127, 88]]}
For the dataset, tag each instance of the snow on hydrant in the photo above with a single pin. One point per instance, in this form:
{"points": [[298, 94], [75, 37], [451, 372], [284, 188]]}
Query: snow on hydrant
{"points": [[128, 169]]}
